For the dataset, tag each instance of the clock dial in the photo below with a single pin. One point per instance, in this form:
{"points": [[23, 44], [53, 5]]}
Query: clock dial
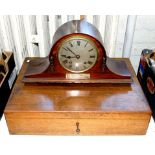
{"points": [[77, 54]]}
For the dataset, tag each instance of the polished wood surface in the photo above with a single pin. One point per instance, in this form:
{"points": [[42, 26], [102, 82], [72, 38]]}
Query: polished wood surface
{"points": [[39, 70], [56, 109], [49, 69]]}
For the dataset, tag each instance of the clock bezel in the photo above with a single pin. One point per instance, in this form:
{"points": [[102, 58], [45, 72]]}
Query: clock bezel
{"points": [[69, 39], [98, 66]]}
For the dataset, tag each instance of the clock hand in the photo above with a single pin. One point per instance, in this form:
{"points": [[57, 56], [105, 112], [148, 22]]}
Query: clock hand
{"points": [[69, 57], [77, 56], [71, 51]]}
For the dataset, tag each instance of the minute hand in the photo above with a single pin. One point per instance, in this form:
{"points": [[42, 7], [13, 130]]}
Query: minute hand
{"points": [[77, 56]]}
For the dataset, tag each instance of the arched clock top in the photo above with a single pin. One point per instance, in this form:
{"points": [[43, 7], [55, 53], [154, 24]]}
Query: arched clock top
{"points": [[77, 26]]}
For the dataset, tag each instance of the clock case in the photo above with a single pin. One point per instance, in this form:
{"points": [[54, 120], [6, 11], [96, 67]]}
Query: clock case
{"points": [[49, 70]]}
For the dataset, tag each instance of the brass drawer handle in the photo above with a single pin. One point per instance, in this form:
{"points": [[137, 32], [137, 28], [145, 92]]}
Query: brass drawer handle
{"points": [[77, 127]]}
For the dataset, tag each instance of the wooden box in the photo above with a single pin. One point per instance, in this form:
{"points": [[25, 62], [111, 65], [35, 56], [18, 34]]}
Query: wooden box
{"points": [[77, 109], [7, 79], [146, 76]]}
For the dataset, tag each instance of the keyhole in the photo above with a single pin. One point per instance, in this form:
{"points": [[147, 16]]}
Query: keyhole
{"points": [[77, 127]]}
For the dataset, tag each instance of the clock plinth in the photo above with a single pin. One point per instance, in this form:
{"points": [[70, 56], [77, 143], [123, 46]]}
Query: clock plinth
{"points": [[40, 70]]}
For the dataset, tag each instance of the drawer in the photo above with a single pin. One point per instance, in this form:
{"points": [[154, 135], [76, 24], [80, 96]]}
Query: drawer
{"points": [[76, 126]]}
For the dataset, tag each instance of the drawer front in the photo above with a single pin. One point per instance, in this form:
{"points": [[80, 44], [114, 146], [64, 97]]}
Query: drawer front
{"points": [[77, 126]]}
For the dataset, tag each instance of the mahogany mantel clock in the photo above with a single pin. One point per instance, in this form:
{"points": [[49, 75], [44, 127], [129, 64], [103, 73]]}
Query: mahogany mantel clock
{"points": [[77, 56]]}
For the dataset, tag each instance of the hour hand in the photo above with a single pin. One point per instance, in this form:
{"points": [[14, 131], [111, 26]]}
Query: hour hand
{"points": [[69, 57]]}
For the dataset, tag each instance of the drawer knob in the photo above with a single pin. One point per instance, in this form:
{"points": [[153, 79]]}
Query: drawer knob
{"points": [[77, 127]]}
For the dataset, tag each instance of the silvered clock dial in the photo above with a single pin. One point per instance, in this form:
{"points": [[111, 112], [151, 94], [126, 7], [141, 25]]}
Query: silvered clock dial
{"points": [[77, 54]]}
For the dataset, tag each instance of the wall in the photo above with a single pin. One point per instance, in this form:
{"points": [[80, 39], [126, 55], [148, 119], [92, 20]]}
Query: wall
{"points": [[144, 37], [32, 35]]}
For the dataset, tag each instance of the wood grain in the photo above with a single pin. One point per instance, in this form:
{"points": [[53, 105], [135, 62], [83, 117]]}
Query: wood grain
{"points": [[100, 109], [92, 126], [49, 69]]}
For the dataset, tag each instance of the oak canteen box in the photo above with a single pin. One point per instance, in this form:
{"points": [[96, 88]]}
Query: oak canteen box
{"points": [[77, 109]]}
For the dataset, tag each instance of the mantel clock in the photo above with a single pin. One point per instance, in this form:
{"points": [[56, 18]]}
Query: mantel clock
{"points": [[77, 56]]}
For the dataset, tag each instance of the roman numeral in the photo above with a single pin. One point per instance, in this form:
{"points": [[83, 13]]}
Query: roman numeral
{"points": [[91, 50], [70, 44], [86, 44], [84, 67], [76, 68], [78, 43], [92, 56], [65, 61], [90, 62], [63, 56]]}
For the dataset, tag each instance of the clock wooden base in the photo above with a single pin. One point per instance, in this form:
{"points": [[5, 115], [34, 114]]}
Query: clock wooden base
{"points": [[77, 109], [40, 70]]}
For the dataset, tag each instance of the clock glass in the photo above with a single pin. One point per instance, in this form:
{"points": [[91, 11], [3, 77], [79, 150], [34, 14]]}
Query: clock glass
{"points": [[77, 54]]}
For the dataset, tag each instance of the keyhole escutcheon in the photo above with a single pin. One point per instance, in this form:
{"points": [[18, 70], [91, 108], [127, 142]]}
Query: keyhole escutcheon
{"points": [[77, 127]]}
